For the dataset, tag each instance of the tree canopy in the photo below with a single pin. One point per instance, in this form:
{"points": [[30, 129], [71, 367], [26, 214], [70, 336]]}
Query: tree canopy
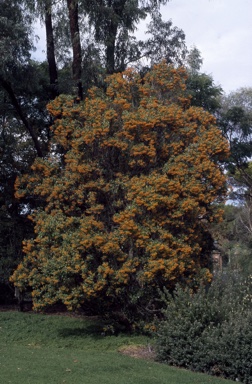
{"points": [[131, 180]]}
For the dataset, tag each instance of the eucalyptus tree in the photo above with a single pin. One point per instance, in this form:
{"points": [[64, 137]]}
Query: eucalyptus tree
{"points": [[73, 12], [113, 20], [100, 36], [165, 42], [24, 126], [43, 10], [53, 72], [201, 87], [15, 49], [235, 120]]}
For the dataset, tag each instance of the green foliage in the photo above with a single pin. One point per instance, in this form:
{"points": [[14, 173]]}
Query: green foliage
{"points": [[113, 21], [194, 60], [210, 330], [16, 42], [203, 91], [235, 121], [233, 238], [236, 126], [225, 231], [13, 226], [24, 129], [16, 155], [200, 86], [241, 258], [166, 42]]}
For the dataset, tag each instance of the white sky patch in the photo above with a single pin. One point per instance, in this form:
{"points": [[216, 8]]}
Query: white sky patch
{"points": [[40, 44], [222, 31]]}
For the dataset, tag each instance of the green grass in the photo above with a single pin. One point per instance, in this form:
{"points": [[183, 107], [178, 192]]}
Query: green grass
{"points": [[46, 349]]}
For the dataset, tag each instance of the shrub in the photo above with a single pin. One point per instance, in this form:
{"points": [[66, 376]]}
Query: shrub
{"points": [[210, 330]]}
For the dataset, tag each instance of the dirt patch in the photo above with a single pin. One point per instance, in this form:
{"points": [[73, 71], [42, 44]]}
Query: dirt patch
{"points": [[138, 351]]}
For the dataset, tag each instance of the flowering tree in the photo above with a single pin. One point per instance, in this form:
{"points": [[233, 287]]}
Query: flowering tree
{"points": [[132, 179]]}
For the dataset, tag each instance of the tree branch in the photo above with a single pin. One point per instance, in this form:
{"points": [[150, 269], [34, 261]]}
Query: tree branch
{"points": [[8, 88]]}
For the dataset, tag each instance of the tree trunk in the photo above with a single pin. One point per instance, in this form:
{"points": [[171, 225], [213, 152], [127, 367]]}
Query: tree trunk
{"points": [[76, 45], [113, 23], [110, 47], [53, 73]]}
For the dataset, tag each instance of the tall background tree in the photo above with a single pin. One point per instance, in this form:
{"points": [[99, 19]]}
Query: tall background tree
{"points": [[235, 120], [16, 49], [234, 235], [201, 88], [50, 49], [24, 123], [113, 20]]}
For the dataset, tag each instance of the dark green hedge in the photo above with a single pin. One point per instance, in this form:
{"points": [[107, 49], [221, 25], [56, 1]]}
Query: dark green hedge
{"points": [[209, 331]]}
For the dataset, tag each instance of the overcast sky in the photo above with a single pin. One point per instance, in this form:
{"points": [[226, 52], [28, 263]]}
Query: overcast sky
{"points": [[221, 30]]}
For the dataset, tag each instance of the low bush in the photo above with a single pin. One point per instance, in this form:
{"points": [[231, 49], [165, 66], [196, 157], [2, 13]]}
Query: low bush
{"points": [[210, 330]]}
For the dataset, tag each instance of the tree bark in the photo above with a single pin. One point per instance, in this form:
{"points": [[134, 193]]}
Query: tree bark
{"points": [[76, 45], [112, 25], [110, 47], [53, 73]]}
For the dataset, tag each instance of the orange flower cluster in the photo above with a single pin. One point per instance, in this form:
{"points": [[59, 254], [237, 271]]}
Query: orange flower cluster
{"points": [[127, 200]]}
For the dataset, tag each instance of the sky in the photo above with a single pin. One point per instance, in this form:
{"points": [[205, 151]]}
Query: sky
{"points": [[220, 29]]}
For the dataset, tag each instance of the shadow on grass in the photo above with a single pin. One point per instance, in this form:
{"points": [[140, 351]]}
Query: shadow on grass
{"points": [[97, 329], [92, 330]]}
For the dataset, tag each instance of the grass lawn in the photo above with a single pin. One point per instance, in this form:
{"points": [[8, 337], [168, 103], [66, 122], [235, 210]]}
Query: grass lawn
{"points": [[48, 349]]}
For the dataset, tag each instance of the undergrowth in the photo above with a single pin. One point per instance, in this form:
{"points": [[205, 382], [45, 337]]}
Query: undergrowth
{"points": [[211, 330]]}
